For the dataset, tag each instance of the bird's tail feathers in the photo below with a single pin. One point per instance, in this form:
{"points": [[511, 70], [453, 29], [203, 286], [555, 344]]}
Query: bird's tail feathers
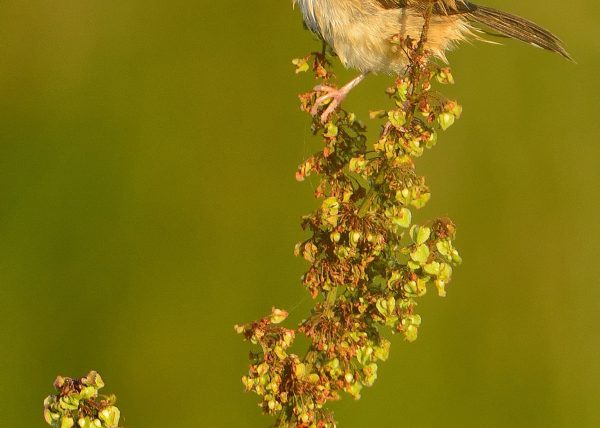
{"points": [[518, 28]]}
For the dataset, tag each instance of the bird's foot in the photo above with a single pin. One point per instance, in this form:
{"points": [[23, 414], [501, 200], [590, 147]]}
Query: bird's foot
{"points": [[332, 94]]}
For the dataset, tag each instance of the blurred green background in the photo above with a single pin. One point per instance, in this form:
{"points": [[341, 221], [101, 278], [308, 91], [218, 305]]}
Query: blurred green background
{"points": [[148, 203]]}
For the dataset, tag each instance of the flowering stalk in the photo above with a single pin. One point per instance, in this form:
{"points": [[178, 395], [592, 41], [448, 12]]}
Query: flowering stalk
{"points": [[368, 260]]}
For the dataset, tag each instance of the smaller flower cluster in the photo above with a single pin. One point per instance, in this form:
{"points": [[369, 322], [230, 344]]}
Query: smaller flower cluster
{"points": [[288, 386], [78, 402], [346, 346]]}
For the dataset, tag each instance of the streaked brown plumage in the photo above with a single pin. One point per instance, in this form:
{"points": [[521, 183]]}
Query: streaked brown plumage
{"points": [[359, 31]]}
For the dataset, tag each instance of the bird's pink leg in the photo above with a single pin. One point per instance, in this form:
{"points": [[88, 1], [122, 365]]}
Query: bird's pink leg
{"points": [[335, 95]]}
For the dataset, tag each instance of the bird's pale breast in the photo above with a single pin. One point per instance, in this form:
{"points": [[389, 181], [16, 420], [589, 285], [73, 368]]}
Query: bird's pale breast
{"points": [[359, 31]]}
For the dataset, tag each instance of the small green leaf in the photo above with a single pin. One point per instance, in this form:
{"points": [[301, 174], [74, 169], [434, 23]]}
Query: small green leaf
{"points": [[420, 254], [88, 392], [443, 248], [432, 268], [403, 219], [423, 235], [412, 265], [421, 200], [445, 272]]}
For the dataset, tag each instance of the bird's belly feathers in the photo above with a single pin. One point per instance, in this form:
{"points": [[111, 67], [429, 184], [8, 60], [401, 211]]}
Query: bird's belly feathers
{"points": [[359, 31]]}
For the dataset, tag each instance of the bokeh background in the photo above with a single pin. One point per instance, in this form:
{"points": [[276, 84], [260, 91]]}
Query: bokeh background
{"points": [[148, 203]]}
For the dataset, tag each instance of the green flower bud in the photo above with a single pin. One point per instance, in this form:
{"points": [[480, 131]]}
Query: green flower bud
{"points": [[332, 131], [93, 379], [299, 370], [454, 108], [88, 392], [313, 378], [382, 352], [397, 118], [377, 114], [277, 316], [354, 390], [281, 354], [441, 287], [357, 165], [330, 208], [444, 76], [411, 333], [410, 327], [354, 237], [262, 369], [59, 382], [301, 65], [68, 402], [421, 200], [402, 89], [67, 422], [446, 120], [370, 372], [387, 306], [50, 417]]}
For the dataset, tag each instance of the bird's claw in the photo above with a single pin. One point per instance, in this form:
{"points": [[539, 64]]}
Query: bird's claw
{"points": [[330, 93]]}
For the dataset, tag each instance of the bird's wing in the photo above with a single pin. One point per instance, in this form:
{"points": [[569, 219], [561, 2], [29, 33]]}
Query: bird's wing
{"points": [[440, 7], [507, 24]]}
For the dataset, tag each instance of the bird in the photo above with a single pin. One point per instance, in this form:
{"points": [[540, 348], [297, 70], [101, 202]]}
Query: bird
{"points": [[360, 34]]}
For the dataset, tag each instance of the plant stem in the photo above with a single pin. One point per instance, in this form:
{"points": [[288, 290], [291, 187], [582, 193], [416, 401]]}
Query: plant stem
{"points": [[414, 77]]}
